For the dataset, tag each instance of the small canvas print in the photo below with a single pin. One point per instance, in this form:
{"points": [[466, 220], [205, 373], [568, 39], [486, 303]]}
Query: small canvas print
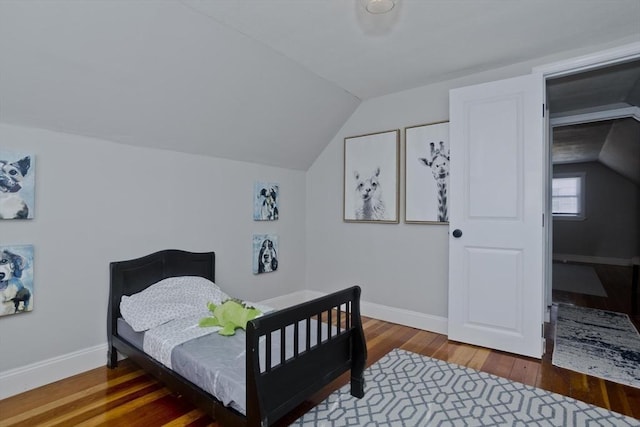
{"points": [[265, 253], [266, 197], [17, 182], [427, 173], [371, 177], [16, 279]]}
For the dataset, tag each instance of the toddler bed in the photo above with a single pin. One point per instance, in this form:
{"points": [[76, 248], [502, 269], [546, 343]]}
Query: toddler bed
{"points": [[252, 378]]}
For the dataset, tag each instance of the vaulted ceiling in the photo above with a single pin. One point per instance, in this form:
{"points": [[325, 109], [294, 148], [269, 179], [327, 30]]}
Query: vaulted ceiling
{"points": [[595, 99], [265, 81]]}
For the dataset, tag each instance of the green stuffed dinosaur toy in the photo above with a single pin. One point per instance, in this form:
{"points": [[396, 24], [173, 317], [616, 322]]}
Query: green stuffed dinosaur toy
{"points": [[230, 315]]}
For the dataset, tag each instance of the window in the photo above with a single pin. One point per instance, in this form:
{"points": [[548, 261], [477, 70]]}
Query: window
{"points": [[567, 196]]}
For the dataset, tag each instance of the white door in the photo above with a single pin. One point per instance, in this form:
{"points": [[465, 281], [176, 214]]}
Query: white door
{"points": [[496, 195]]}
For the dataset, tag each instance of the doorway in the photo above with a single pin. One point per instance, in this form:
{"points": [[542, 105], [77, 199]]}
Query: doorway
{"points": [[594, 187]]}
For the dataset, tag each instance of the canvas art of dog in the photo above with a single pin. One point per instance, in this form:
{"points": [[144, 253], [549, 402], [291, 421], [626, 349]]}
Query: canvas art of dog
{"points": [[268, 204], [14, 296], [12, 175], [267, 257], [368, 197]]}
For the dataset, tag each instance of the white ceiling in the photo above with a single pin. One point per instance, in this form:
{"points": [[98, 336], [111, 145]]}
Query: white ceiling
{"points": [[265, 81]]}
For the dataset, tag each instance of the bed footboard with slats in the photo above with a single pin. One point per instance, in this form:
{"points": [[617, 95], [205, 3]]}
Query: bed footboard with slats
{"points": [[278, 383]]}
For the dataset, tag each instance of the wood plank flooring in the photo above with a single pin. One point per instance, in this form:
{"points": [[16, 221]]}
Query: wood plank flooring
{"points": [[616, 281], [127, 396]]}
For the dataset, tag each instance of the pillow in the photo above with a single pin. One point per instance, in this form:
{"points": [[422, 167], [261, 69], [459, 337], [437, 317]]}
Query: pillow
{"points": [[169, 299]]}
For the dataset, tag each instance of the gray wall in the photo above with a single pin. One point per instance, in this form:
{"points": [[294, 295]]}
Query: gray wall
{"points": [[398, 265], [612, 208], [98, 201]]}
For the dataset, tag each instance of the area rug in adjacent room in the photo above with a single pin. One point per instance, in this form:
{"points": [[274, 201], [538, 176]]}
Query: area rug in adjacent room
{"points": [[408, 389], [576, 278], [601, 343]]}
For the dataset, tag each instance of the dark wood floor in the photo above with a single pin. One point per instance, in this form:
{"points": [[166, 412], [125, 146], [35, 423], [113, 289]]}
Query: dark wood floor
{"points": [[616, 281], [126, 396]]}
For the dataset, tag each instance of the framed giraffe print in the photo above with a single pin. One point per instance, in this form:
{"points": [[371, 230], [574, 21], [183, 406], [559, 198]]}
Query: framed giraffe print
{"points": [[426, 167], [371, 177]]}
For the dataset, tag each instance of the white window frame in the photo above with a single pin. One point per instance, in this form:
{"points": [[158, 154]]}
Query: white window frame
{"points": [[581, 197]]}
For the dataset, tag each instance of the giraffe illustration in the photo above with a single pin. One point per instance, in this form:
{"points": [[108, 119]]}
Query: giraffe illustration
{"points": [[439, 164]]}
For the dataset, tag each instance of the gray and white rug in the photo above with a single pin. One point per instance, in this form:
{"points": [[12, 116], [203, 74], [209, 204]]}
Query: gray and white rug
{"points": [[408, 389], [601, 343]]}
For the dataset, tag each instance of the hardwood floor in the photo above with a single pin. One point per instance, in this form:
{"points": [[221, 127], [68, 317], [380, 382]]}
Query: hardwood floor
{"points": [[616, 281], [127, 396]]}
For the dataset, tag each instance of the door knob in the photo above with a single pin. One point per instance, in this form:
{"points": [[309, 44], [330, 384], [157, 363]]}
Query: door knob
{"points": [[457, 233]]}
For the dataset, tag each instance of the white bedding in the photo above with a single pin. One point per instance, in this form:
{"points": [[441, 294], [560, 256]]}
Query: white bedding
{"points": [[168, 313], [169, 299], [213, 362], [160, 341]]}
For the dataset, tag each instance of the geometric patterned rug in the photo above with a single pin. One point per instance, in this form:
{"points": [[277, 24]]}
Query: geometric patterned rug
{"points": [[408, 389], [601, 343]]}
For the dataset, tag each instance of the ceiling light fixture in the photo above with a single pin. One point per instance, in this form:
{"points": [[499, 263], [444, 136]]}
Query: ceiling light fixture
{"points": [[378, 7]]}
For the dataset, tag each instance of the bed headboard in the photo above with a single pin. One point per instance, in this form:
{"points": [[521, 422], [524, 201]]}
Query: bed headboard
{"points": [[132, 276]]}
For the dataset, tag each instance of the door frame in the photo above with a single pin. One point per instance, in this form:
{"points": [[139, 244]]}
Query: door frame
{"points": [[617, 55]]}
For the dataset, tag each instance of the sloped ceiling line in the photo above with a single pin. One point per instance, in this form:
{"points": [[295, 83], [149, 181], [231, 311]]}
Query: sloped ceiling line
{"points": [[193, 6], [603, 113], [621, 149]]}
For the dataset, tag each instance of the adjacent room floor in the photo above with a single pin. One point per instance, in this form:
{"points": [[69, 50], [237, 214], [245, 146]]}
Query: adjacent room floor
{"points": [[616, 281]]}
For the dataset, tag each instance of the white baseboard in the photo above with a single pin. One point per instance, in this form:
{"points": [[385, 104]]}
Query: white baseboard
{"points": [[404, 317], [37, 374], [592, 259], [401, 316], [291, 299]]}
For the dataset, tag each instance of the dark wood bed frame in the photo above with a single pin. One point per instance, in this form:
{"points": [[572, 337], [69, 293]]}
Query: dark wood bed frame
{"points": [[274, 392]]}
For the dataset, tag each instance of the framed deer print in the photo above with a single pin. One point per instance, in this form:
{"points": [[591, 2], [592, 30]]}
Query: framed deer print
{"points": [[371, 177], [426, 173]]}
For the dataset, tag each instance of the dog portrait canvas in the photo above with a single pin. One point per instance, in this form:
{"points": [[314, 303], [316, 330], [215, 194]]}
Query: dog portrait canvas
{"points": [[266, 198], [16, 279], [17, 182], [371, 179], [265, 253]]}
